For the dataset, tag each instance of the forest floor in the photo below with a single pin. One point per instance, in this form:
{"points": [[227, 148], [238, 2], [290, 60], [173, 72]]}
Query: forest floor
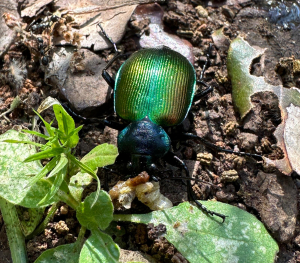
{"points": [[244, 182]]}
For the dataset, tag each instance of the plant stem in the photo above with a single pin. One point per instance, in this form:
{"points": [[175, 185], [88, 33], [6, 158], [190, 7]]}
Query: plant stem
{"points": [[68, 199], [43, 225], [80, 240], [14, 233]]}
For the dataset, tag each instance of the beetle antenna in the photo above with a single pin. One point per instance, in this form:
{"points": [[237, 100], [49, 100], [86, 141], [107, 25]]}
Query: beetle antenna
{"points": [[206, 61], [108, 38]]}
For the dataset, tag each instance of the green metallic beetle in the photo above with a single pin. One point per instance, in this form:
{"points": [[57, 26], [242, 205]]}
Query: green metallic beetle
{"points": [[155, 88]]}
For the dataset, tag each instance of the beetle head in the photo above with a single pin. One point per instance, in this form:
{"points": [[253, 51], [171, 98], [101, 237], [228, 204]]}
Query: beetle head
{"points": [[144, 141]]}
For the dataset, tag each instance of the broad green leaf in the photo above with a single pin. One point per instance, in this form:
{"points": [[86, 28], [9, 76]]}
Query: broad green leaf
{"points": [[88, 170], [202, 238], [29, 218], [102, 155], [15, 175], [33, 195], [62, 254], [118, 233], [61, 170], [99, 247], [74, 132], [98, 215], [66, 124], [78, 183], [44, 154]]}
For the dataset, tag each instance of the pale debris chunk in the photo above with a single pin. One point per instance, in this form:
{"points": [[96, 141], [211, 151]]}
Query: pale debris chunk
{"points": [[123, 193], [149, 194]]}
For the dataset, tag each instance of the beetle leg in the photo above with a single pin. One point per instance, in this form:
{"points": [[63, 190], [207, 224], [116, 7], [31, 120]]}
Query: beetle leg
{"points": [[112, 124], [108, 38], [108, 78], [106, 179], [203, 93], [206, 61], [200, 81], [176, 161], [110, 81], [219, 149]]}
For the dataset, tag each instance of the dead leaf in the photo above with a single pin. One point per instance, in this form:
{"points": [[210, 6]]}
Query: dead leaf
{"points": [[7, 8], [85, 15], [35, 7], [244, 85], [157, 36], [113, 16]]}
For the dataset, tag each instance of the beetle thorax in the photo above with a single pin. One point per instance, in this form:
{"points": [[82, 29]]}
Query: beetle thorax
{"points": [[144, 138]]}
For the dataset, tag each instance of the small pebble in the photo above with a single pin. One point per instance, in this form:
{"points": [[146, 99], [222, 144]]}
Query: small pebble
{"points": [[202, 12]]}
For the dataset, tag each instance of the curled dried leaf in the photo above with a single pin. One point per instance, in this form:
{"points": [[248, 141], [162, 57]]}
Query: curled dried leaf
{"points": [[68, 36], [11, 21], [77, 39]]}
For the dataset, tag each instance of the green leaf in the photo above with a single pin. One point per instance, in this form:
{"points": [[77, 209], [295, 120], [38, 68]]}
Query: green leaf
{"points": [[49, 129], [202, 238], [99, 247], [66, 124], [62, 254], [88, 170], [78, 183], [29, 218], [45, 154], [47, 168], [75, 131], [37, 134], [63, 161], [24, 142], [14, 233], [15, 175], [101, 155], [61, 170], [98, 215]]}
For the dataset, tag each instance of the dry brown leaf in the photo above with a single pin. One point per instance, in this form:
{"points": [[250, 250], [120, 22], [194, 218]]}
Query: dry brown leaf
{"points": [[35, 7], [244, 85]]}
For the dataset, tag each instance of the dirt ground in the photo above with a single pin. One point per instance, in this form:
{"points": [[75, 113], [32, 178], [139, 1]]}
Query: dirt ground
{"points": [[244, 182]]}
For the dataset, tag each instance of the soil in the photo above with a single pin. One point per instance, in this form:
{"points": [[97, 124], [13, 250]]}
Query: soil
{"points": [[239, 181]]}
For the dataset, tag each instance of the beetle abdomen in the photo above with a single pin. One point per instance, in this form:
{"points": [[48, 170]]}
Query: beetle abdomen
{"points": [[155, 82]]}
